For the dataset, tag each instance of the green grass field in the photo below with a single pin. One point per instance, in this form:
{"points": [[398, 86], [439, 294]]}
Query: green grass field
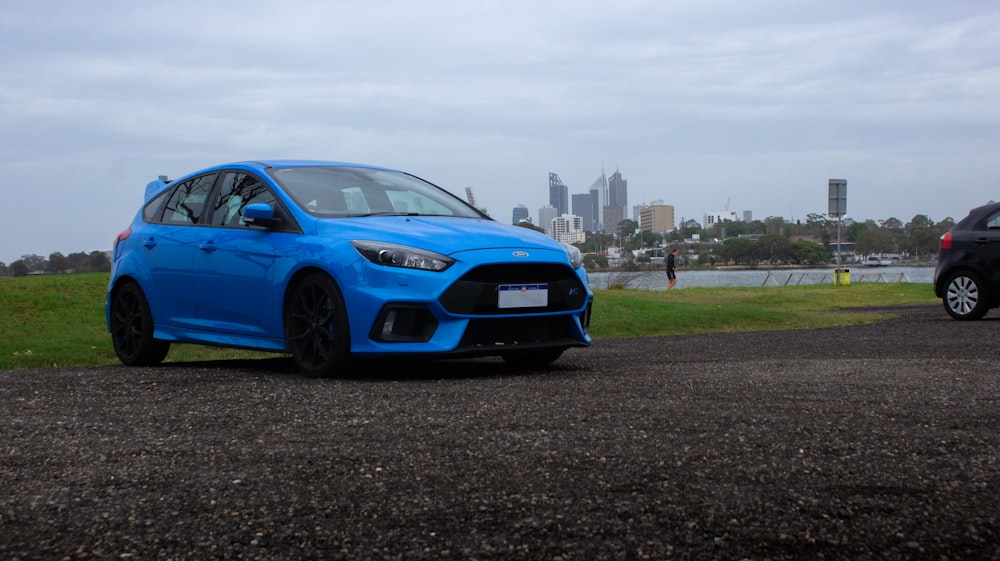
{"points": [[58, 320]]}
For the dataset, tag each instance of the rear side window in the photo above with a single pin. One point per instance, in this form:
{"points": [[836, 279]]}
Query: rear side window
{"points": [[993, 222], [187, 202], [154, 208]]}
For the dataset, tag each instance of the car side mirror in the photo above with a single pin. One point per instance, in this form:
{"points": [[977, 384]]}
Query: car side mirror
{"points": [[259, 214]]}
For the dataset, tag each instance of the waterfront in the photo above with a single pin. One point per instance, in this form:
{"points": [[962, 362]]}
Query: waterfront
{"points": [[657, 279]]}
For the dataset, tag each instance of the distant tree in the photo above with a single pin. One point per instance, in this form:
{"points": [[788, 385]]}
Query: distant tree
{"points": [[19, 268], [98, 262], [773, 248], [922, 236], [855, 228], [57, 263], [34, 263], [77, 261], [591, 261], [738, 250], [803, 252], [4, 270], [626, 229], [874, 240]]}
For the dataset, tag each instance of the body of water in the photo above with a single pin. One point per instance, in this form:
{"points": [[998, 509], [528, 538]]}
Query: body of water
{"points": [[657, 280]]}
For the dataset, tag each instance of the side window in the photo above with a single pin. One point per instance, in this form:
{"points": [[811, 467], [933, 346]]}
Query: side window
{"points": [[153, 210], [993, 222], [239, 189], [187, 203]]}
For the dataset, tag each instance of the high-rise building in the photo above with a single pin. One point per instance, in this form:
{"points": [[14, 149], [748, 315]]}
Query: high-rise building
{"points": [[616, 208], [545, 216], [612, 216], [568, 228], [558, 194], [583, 206], [599, 196], [657, 218], [520, 215], [617, 190]]}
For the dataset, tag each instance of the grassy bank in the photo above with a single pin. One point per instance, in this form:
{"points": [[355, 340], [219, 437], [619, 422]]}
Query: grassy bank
{"points": [[58, 320]]}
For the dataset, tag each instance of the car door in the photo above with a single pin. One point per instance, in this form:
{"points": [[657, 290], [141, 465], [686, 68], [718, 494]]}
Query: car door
{"points": [[168, 251], [235, 264]]}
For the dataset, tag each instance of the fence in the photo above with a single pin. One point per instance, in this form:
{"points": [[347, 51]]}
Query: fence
{"points": [[775, 278]]}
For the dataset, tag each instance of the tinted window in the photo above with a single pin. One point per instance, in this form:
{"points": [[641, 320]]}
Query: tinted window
{"points": [[154, 208], [187, 203], [993, 222], [237, 190]]}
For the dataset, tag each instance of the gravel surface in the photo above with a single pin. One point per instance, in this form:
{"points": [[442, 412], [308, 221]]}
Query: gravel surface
{"points": [[873, 442]]}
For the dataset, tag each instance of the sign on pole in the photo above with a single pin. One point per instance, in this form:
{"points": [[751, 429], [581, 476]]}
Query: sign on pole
{"points": [[838, 197]]}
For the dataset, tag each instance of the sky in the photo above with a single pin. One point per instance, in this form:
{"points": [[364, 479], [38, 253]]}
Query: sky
{"points": [[704, 104]]}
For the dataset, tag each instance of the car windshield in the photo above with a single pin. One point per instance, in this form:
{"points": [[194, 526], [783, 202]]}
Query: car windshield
{"points": [[341, 191]]}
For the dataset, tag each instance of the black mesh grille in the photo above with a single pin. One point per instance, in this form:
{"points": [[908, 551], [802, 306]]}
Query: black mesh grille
{"points": [[477, 292]]}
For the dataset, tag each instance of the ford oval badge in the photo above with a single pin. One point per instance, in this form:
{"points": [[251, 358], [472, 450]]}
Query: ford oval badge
{"points": [[520, 254]]}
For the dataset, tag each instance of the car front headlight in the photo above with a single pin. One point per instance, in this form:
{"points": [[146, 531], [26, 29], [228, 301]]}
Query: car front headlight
{"points": [[394, 255], [575, 257]]}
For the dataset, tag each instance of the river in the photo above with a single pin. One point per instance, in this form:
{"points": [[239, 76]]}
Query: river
{"points": [[657, 280]]}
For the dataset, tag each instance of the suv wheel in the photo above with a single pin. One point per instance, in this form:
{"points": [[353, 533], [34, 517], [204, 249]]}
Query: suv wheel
{"points": [[964, 297]]}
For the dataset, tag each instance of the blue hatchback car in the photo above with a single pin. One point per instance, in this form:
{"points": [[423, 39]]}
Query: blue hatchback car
{"points": [[334, 261]]}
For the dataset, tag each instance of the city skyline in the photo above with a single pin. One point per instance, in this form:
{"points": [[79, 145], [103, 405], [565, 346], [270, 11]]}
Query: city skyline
{"points": [[700, 102]]}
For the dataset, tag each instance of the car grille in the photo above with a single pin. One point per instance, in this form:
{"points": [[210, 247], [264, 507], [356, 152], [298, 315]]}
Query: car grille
{"points": [[476, 293]]}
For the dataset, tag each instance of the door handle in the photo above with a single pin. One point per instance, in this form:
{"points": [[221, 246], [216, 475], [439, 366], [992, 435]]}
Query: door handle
{"points": [[150, 243], [208, 247]]}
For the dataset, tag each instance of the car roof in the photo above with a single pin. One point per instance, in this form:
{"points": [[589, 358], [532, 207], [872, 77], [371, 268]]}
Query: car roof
{"points": [[159, 184]]}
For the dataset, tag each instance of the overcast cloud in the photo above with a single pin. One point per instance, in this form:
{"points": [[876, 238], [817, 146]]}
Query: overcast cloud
{"points": [[698, 103]]}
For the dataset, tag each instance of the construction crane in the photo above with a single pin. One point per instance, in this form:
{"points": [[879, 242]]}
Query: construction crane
{"points": [[470, 197]]}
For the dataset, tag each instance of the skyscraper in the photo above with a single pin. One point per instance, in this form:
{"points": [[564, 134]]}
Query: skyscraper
{"points": [[558, 194], [520, 215], [583, 206], [617, 190], [599, 197], [615, 210]]}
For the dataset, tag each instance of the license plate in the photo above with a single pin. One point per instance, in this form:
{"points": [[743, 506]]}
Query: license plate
{"points": [[523, 296]]}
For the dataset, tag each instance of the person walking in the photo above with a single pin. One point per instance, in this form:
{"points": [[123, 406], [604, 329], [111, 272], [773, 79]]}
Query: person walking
{"points": [[672, 269]]}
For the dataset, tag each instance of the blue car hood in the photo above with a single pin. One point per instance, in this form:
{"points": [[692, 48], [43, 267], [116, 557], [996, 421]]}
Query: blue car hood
{"points": [[445, 235]]}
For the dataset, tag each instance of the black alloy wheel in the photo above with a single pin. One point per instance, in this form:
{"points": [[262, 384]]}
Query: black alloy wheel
{"points": [[316, 328], [132, 328], [964, 297]]}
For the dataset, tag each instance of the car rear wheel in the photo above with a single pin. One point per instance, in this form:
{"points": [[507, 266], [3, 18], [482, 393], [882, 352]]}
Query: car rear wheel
{"points": [[131, 326], [964, 297], [316, 329], [533, 358]]}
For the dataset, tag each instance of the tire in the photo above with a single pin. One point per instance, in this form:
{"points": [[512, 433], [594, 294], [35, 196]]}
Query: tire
{"points": [[131, 326], [533, 359], [316, 328], [964, 297]]}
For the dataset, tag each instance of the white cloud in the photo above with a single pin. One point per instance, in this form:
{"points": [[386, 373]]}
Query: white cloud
{"points": [[695, 102]]}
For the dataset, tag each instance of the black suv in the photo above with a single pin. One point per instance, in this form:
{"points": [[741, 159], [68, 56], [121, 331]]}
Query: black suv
{"points": [[967, 278]]}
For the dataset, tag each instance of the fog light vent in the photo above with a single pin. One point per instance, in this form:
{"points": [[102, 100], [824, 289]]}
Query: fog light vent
{"points": [[401, 323]]}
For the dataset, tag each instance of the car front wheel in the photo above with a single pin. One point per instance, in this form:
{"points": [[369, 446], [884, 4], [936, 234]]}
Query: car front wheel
{"points": [[316, 328], [132, 328], [964, 297]]}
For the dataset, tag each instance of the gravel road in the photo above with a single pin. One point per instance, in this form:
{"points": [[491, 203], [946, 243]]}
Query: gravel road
{"points": [[871, 442]]}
